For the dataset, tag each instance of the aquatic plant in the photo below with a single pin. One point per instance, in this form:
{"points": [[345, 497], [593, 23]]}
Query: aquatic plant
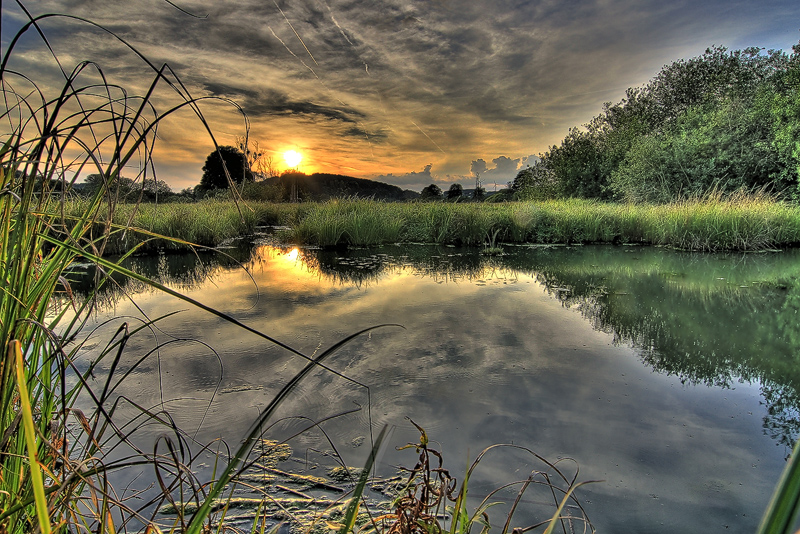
{"points": [[431, 497]]}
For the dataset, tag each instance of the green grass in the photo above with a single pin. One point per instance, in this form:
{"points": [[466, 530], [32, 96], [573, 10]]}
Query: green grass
{"points": [[715, 224], [739, 222]]}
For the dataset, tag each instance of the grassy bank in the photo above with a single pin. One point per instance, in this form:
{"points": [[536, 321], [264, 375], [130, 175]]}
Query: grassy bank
{"points": [[714, 224], [208, 223], [740, 223]]}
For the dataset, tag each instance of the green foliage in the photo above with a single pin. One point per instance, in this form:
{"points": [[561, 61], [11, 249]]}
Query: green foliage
{"points": [[225, 166], [579, 165], [784, 106], [535, 183], [123, 189], [455, 192], [431, 192], [721, 121], [725, 146]]}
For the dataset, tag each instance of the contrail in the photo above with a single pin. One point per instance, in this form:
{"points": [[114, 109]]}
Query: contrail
{"points": [[290, 51], [366, 136], [428, 136], [295, 32], [346, 38], [341, 30]]}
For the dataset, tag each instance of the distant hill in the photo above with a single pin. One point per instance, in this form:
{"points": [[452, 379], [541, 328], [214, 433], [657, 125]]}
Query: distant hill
{"points": [[322, 186]]}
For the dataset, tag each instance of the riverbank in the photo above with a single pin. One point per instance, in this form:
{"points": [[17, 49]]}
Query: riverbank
{"points": [[744, 223]]}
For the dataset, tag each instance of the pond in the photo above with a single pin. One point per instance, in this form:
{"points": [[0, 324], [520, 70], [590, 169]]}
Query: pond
{"points": [[670, 377]]}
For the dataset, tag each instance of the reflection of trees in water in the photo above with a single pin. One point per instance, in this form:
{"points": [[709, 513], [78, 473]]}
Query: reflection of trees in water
{"points": [[685, 318], [365, 266], [183, 272], [716, 334]]}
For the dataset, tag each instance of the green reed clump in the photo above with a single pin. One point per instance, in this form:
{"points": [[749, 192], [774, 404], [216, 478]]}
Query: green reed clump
{"points": [[206, 223], [55, 459], [736, 222]]}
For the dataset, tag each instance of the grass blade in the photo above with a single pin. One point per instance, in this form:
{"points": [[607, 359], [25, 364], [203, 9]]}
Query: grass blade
{"points": [[780, 515], [30, 438], [352, 508]]}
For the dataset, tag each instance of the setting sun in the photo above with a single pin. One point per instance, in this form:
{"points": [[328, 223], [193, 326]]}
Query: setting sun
{"points": [[292, 158]]}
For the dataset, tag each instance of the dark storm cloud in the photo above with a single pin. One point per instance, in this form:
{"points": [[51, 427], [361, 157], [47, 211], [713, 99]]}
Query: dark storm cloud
{"points": [[272, 102]]}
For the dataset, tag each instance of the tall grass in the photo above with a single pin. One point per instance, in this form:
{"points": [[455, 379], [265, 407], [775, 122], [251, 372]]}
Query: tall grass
{"points": [[714, 223], [206, 223]]}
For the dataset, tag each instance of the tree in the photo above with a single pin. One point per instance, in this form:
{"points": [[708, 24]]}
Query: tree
{"points": [[455, 192], [156, 187], [258, 163], [535, 183], [225, 157], [431, 192], [120, 188]]}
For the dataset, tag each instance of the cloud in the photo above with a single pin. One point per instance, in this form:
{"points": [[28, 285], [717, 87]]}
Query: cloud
{"points": [[377, 86], [410, 180], [504, 170], [271, 102]]}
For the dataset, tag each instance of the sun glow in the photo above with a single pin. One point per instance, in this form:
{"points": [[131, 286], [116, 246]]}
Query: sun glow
{"points": [[293, 158], [292, 254]]}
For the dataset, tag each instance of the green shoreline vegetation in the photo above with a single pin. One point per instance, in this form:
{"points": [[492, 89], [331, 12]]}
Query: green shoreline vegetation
{"points": [[740, 222]]}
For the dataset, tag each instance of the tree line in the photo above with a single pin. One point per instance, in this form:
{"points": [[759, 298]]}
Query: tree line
{"points": [[723, 121]]}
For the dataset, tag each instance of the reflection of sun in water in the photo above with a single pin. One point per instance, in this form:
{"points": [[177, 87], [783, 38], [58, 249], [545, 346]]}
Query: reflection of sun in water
{"points": [[292, 158], [292, 254]]}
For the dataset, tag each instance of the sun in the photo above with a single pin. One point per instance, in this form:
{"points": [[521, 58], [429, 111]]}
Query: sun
{"points": [[293, 158]]}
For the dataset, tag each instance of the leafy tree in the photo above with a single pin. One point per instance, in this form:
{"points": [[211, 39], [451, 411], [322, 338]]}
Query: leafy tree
{"points": [[154, 186], [479, 193], [783, 99], [225, 157], [722, 147], [121, 188], [431, 192], [579, 166], [537, 182], [723, 120], [455, 192]]}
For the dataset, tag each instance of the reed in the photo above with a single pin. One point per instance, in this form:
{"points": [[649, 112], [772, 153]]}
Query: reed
{"points": [[206, 223], [736, 222]]}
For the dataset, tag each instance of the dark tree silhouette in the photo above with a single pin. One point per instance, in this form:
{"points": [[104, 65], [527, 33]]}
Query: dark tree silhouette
{"points": [[432, 191], [455, 191], [214, 172]]}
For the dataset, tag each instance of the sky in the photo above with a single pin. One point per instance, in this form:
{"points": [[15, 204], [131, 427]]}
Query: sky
{"points": [[406, 92]]}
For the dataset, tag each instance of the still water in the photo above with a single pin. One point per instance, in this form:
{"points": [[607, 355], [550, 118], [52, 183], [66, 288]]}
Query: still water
{"points": [[670, 377]]}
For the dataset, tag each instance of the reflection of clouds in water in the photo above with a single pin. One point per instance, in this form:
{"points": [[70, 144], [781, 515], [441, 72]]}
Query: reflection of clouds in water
{"points": [[487, 357]]}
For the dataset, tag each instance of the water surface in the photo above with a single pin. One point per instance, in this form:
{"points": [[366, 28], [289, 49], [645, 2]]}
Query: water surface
{"points": [[670, 376]]}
